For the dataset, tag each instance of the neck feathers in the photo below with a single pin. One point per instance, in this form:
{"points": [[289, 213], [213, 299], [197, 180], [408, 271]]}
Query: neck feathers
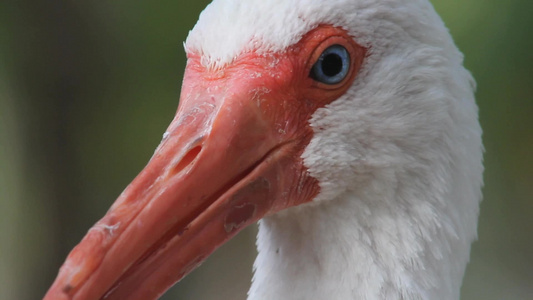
{"points": [[376, 245]]}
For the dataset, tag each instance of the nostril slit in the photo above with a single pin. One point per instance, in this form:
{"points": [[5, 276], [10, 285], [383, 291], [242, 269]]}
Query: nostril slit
{"points": [[186, 160]]}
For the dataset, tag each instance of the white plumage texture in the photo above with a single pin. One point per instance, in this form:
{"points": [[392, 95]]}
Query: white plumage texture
{"points": [[398, 157]]}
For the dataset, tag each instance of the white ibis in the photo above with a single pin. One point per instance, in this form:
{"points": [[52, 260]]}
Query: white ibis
{"points": [[348, 126]]}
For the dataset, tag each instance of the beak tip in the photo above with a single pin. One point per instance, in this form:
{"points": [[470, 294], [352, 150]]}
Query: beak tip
{"points": [[58, 294]]}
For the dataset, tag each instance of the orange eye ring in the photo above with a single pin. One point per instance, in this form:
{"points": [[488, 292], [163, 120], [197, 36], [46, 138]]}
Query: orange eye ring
{"points": [[311, 47], [355, 52]]}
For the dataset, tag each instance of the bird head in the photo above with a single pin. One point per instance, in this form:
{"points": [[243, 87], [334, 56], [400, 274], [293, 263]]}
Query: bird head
{"points": [[283, 104]]}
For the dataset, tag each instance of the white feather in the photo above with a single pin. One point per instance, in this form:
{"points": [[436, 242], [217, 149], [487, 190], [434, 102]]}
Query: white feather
{"points": [[398, 157]]}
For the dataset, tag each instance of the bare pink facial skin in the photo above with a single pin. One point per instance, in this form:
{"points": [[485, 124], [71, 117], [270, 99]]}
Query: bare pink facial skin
{"points": [[231, 155]]}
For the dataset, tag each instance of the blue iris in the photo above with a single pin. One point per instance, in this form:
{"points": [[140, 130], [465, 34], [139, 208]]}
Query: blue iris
{"points": [[332, 66]]}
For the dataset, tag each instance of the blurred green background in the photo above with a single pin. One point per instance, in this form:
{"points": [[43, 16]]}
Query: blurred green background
{"points": [[88, 87]]}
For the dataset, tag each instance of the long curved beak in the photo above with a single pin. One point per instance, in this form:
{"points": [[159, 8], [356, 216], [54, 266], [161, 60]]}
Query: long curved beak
{"points": [[226, 161]]}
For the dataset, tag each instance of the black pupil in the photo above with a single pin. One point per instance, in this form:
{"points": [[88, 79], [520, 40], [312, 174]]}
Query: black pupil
{"points": [[332, 64]]}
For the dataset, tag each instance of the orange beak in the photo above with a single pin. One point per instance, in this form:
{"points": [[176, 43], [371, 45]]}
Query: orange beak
{"points": [[231, 155], [223, 164]]}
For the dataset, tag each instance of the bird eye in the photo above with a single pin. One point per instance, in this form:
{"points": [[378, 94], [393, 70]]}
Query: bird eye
{"points": [[332, 66]]}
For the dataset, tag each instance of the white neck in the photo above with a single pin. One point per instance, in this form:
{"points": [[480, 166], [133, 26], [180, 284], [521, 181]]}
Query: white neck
{"points": [[373, 246]]}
